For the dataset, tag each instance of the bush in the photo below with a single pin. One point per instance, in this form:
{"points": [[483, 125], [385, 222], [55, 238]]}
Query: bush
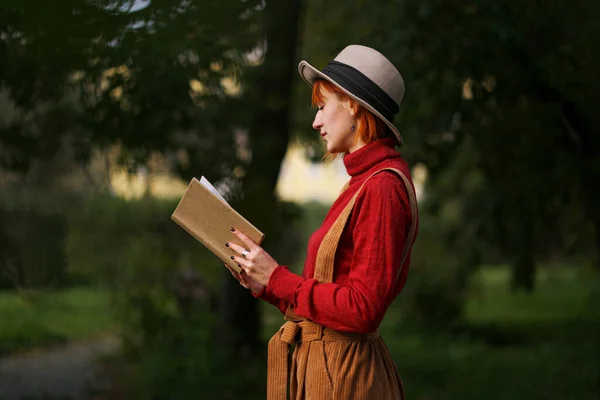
{"points": [[117, 241], [177, 356], [163, 283], [32, 250], [436, 289]]}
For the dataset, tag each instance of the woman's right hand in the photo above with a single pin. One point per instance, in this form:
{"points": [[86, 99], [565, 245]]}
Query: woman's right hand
{"points": [[246, 281]]}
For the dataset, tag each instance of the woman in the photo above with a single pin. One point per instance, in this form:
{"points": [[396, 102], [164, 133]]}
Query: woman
{"points": [[357, 261]]}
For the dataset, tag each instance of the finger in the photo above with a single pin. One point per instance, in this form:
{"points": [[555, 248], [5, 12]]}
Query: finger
{"points": [[244, 279], [238, 249], [241, 277], [245, 282], [245, 239], [241, 261]]}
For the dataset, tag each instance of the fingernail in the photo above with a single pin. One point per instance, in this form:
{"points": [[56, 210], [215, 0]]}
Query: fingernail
{"points": [[231, 229], [226, 244], [232, 257]]}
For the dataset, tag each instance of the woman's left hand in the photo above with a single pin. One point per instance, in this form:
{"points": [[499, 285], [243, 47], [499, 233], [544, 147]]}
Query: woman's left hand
{"points": [[257, 263]]}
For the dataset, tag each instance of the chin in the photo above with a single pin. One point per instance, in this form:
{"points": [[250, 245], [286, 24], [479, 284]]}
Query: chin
{"points": [[336, 150], [333, 148]]}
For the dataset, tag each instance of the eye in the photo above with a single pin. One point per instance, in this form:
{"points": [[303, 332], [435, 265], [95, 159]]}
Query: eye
{"points": [[321, 108]]}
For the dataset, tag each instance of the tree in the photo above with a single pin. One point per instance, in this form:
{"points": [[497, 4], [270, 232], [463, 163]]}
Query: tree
{"points": [[269, 95], [181, 78], [156, 79], [516, 79]]}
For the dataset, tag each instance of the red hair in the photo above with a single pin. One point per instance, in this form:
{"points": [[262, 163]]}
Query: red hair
{"points": [[368, 128]]}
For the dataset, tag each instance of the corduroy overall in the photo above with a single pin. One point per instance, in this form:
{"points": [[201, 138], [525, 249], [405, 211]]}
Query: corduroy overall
{"points": [[328, 364]]}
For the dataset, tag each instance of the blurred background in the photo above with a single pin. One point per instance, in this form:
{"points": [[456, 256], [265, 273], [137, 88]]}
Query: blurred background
{"points": [[108, 108]]}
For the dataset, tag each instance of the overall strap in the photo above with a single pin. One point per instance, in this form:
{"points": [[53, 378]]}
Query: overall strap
{"points": [[326, 255]]}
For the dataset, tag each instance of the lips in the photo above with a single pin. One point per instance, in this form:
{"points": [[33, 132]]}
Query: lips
{"points": [[323, 134]]}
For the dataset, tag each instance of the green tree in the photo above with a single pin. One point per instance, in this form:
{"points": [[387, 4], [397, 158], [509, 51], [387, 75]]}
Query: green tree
{"points": [[155, 79], [517, 80], [204, 83]]}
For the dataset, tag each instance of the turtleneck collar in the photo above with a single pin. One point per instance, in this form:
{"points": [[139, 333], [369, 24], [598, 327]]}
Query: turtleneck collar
{"points": [[370, 155]]}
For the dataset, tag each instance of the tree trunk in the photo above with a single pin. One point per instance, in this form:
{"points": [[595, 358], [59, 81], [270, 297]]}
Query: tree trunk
{"points": [[523, 272], [523, 265], [581, 132], [269, 137], [590, 181], [587, 150]]}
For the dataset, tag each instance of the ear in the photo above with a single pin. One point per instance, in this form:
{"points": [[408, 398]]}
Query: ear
{"points": [[353, 107]]}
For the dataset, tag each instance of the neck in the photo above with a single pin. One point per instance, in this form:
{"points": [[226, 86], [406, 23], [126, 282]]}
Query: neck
{"points": [[357, 145]]}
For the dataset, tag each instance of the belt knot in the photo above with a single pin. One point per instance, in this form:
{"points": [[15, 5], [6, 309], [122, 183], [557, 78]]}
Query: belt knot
{"points": [[288, 332]]}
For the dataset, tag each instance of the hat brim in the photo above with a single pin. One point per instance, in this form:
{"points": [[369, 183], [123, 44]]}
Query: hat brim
{"points": [[310, 74]]}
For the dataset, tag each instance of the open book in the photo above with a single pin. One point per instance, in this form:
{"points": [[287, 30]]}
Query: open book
{"points": [[208, 217]]}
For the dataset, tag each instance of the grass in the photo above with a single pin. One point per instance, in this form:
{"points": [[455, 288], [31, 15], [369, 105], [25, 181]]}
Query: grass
{"points": [[518, 346], [31, 320]]}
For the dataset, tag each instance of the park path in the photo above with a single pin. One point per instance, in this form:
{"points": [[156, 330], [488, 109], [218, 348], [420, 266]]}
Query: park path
{"points": [[57, 373]]}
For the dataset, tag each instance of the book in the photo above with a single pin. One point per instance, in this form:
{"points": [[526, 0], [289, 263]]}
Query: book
{"points": [[205, 214]]}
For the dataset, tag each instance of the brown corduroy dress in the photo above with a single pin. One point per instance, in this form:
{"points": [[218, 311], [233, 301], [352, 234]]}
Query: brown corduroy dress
{"points": [[329, 364]]}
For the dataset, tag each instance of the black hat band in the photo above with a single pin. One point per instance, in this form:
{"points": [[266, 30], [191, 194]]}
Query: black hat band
{"points": [[362, 87]]}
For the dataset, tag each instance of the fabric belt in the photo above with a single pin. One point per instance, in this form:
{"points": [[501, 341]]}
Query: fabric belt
{"points": [[293, 332]]}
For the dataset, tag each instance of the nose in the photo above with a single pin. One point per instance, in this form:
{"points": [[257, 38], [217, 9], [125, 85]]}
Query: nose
{"points": [[317, 123]]}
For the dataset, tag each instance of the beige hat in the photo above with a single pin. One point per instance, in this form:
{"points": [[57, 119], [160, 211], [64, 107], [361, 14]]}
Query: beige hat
{"points": [[366, 76]]}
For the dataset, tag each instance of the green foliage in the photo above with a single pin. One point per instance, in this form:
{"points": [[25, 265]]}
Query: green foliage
{"points": [[435, 292], [495, 76], [38, 319], [511, 345], [204, 84], [113, 240], [32, 253], [163, 284], [309, 218], [153, 79], [565, 294], [178, 357], [434, 367]]}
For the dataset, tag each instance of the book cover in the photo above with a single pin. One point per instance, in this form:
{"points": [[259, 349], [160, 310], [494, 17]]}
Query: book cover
{"points": [[208, 217]]}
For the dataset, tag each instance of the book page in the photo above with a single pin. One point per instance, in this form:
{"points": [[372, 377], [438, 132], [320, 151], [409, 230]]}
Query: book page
{"points": [[212, 189]]}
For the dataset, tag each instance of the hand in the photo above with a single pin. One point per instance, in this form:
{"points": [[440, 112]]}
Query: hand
{"points": [[246, 281], [257, 264]]}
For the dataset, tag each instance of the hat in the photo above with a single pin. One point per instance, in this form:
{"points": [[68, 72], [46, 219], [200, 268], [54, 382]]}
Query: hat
{"points": [[365, 75]]}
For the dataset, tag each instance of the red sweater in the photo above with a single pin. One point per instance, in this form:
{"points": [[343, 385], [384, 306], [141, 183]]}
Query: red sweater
{"points": [[368, 255]]}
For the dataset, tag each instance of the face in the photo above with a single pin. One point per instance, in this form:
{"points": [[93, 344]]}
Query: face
{"points": [[334, 122]]}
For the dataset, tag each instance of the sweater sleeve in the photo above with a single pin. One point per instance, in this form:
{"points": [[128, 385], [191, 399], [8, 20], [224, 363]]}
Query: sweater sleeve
{"points": [[265, 295], [359, 305]]}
